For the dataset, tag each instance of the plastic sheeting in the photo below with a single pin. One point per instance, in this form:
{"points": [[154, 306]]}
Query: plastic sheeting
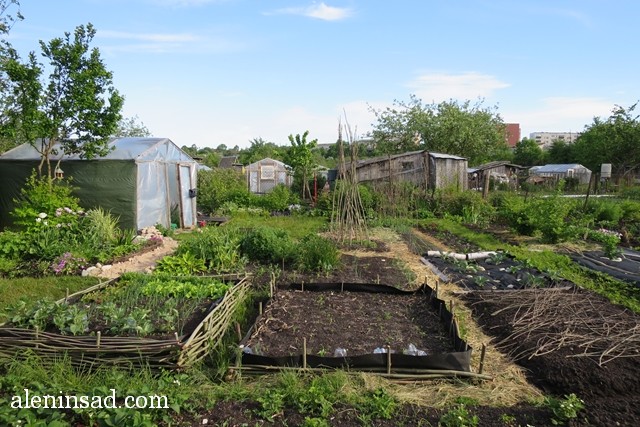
{"points": [[137, 181]]}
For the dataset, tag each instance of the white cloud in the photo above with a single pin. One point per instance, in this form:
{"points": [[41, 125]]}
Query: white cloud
{"points": [[438, 87], [319, 11], [152, 37], [165, 42]]}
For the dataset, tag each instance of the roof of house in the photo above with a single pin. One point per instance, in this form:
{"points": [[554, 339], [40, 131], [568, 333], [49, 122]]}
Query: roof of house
{"points": [[495, 164], [228, 161], [268, 160]]}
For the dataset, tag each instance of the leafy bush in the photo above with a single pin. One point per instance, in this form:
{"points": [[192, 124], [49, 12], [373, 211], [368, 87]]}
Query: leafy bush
{"points": [[315, 253], [219, 247], [218, 186], [459, 417], [185, 264], [269, 245], [277, 199], [43, 196]]}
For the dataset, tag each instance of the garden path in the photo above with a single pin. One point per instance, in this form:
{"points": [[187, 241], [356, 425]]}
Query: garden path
{"points": [[142, 263]]}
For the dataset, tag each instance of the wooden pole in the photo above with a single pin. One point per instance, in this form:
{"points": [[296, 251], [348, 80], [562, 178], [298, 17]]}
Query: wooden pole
{"points": [[388, 360], [482, 354], [260, 308], [98, 335], [304, 353]]}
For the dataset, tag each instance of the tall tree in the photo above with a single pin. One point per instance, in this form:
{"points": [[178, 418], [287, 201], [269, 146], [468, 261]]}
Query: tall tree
{"points": [[527, 152], [129, 127], [464, 129], [260, 149], [300, 158], [75, 110], [615, 140], [9, 15], [560, 152]]}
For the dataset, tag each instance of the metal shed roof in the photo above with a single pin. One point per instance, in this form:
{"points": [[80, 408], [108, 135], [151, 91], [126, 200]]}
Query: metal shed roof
{"points": [[556, 168]]}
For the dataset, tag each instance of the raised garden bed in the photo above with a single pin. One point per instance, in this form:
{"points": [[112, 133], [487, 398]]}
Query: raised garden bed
{"points": [[368, 327], [490, 271], [94, 326]]}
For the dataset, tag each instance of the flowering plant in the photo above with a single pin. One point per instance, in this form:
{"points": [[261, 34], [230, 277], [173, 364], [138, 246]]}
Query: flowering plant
{"points": [[68, 264]]}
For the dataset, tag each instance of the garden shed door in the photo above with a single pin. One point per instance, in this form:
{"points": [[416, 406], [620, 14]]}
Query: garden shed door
{"points": [[186, 178]]}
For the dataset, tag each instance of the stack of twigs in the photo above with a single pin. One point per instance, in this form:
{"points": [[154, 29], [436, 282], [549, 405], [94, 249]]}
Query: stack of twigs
{"points": [[546, 321]]}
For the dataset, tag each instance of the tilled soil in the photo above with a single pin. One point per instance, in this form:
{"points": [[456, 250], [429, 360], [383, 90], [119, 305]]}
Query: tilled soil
{"points": [[359, 322]]}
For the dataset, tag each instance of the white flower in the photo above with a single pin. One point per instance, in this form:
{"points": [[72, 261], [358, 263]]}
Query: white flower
{"points": [[45, 222], [42, 215], [58, 225], [38, 219]]}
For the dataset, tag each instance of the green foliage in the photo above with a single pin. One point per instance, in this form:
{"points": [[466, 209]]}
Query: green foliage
{"points": [[185, 264], [268, 245], [565, 409], [609, 240], [45, 196], [459, 416], [75, 111], [613, 140], [186, 288], [300, 158], [219, 186], [528, 153], [316, 253], [378, 404], [219, 247], [277, 199], [463, 129]]}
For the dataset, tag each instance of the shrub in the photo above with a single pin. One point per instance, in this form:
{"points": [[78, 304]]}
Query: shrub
{"points": [[277, 199], [268, 245], [218, 186], [43, 195], [315, 253], [218, 246]]}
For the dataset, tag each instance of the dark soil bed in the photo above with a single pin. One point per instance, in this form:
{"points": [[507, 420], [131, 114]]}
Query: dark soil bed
{"points": [[359, 322], [352, 269], [452, 241], [570, 342]]}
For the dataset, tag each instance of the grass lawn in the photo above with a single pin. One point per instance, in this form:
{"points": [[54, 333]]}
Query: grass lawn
{"points": [[32, 289], [297, 226]]}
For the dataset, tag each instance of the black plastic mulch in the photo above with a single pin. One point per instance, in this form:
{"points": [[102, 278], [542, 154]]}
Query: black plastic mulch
{"points": [[495, 274], [626, 269]]}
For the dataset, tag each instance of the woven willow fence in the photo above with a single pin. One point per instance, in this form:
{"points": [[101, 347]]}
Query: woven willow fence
{"points": [[167, 352]]}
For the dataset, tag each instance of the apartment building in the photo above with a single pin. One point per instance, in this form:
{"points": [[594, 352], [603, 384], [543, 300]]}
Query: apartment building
{"points": [[545, 139]]}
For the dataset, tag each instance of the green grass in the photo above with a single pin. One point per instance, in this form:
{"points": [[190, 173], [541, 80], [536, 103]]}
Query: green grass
{"points": [[616, 291], [296, 226], [31, 289]]}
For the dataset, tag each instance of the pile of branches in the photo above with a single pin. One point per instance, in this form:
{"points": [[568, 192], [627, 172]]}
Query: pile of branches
{"points": [[577, 322]]}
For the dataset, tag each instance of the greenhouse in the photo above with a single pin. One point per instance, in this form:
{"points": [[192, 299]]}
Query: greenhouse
{"points": [[142, 181]]}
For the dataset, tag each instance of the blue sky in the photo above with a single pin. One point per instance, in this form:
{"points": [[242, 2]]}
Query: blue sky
{"points": [[210, 72]]}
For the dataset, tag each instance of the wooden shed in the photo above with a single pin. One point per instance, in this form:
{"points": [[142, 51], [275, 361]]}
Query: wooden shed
{"points": [[501, 171], [422, 168], [265, 174]]}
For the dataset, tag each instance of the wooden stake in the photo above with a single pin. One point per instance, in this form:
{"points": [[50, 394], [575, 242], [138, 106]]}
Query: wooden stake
{"points": [[238, 331], [342, 287], [98, 335], [66, 296], [304, 353], [482, 354], [303, 286], [260, 308], [388, 360]]}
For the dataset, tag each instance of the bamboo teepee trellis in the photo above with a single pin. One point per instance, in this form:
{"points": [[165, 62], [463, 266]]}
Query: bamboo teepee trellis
{"points": [[348, 219]]}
